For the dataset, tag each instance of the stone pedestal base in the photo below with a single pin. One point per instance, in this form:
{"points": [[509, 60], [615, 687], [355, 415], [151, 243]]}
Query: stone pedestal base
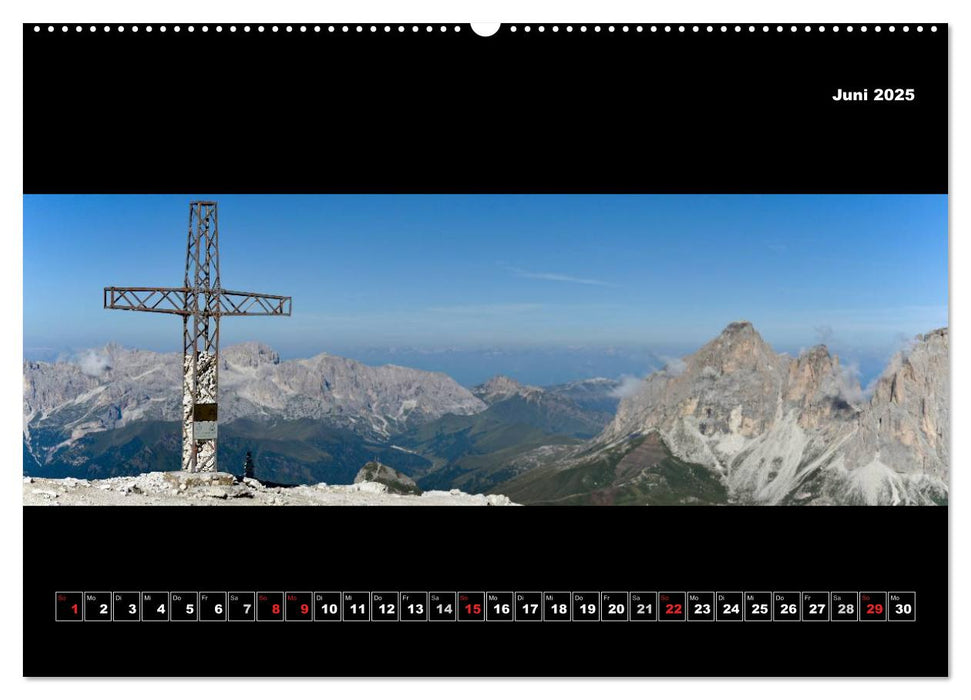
{"points": [[189, 479]]}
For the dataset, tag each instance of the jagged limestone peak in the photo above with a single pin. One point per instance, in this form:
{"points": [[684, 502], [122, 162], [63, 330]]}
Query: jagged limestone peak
{"points": [[739, 346], [249, 354], [501, 387]]}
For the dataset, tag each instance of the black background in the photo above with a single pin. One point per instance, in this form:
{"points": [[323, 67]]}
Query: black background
{"points": [[452, 112], [482, 549], [455, 112]]}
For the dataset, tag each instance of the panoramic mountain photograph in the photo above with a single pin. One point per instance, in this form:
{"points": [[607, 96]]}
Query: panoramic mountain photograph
{"points": [[485, 350]]}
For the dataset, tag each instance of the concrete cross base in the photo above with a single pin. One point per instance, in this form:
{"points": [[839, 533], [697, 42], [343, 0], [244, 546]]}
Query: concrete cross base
{"points": [[189, 480]]}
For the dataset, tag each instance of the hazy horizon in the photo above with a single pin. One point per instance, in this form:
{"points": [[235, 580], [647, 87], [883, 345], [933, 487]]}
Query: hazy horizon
{"points": [[529, 364]]}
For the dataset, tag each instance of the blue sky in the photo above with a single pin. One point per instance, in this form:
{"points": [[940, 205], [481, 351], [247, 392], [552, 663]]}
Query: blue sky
{"points": [[481, 272]]}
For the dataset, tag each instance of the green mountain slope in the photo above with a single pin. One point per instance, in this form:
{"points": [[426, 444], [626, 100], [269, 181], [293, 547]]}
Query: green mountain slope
{"points": [[640, 471], [474, 453]]}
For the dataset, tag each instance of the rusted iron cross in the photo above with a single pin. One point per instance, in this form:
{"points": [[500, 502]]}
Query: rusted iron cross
{"points": [[201, 302]]}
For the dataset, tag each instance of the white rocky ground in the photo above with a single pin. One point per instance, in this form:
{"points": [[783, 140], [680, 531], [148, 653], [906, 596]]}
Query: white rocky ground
{"points": [[178, 489]]}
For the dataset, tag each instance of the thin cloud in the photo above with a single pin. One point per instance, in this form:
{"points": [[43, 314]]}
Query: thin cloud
{"points": [[824, 334], [629, 385], [485, 309], [557, 277], [674, 366], [93, 363]]}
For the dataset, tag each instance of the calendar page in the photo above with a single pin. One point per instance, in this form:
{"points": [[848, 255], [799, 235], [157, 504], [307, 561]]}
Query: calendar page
{"points": [[626, 344]]}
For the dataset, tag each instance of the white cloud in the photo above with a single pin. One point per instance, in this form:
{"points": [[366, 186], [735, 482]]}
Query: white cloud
{"points": [[557, 277], [485, 309], [674, 366], [629, 384], [850, 389], [92, 363]]}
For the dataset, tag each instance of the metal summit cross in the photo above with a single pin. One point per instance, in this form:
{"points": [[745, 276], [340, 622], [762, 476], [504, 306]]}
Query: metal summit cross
{"points": [[201, 302]]}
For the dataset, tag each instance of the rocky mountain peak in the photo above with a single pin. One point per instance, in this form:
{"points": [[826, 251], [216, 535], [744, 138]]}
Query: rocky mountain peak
{"points": [[815, 371], [914, 370], [936, 335], [739, 328], [501, 387], [738, 346], [249, 354], [816, 354]]}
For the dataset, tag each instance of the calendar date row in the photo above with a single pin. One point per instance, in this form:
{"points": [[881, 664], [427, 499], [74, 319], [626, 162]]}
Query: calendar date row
{"points": [[480, 606]]}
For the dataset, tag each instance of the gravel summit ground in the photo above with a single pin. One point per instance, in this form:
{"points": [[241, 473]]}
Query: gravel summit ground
{"points": [[178, 489]]}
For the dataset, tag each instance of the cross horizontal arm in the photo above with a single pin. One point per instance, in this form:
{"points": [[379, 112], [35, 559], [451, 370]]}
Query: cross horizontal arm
{"points": [[252, 304], [175, 300], [160, 300]]}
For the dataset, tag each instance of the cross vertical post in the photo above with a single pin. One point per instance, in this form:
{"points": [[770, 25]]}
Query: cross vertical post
{"points": [[200, 340]]}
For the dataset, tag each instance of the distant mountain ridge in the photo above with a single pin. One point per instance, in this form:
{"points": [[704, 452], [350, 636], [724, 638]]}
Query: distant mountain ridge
{"points": [[501, 387], [116, 411], [551, 409], [116, 387], [597, 394]]}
